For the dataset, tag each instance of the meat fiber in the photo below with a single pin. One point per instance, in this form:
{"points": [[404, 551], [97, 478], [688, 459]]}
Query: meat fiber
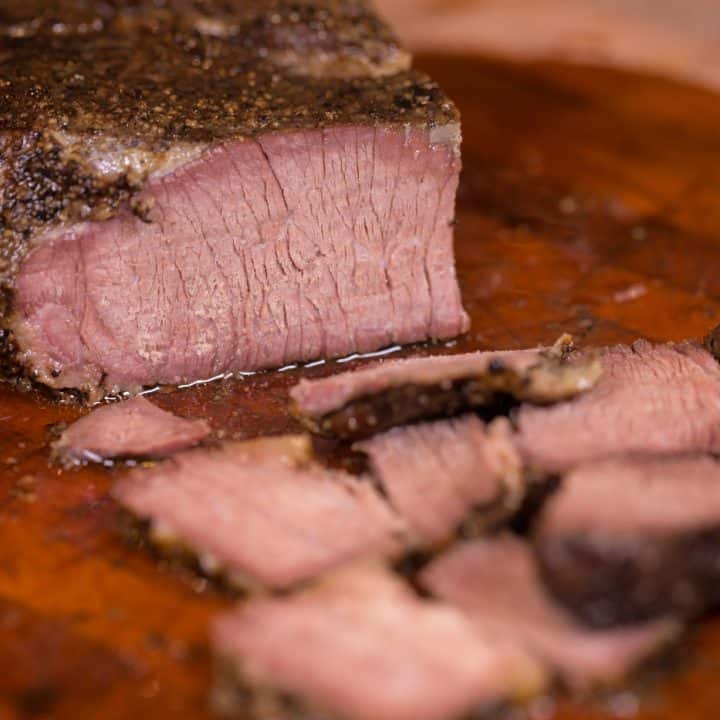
{"points": [[262, 513], [497, 583], [362, 646], [443, 475], [132, 429], [629, 539], [279, 188], [367, 401], [651, 399]]}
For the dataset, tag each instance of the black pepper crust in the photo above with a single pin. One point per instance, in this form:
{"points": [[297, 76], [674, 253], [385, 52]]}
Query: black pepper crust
{"points": [[135, 80], [558, 375], [236, 694], [609, 581], [712, 342]]}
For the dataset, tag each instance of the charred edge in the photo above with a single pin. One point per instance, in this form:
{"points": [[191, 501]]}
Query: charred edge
{"points": [[134, 531], [491, 517], [44, 189], [10, 366], [608, 582], [406, 404], [412, 564], [539, 488], [13, 371], [137, 532], [495, 392], [712, 342], [46, 183], [235, 695], [339, 455], [482, 520]]}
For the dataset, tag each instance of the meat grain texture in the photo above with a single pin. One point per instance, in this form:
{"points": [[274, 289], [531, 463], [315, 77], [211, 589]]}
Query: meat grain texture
{"points": [[360, 645], [448, 475], [262, 514], [135, 429], [279, 188], [650, 400]]}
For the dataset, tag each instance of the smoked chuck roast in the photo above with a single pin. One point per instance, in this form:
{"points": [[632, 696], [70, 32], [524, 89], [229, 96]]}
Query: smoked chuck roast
{"points": [[221, 187]]}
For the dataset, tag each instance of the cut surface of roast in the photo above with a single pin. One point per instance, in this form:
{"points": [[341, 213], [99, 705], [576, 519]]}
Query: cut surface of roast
{"points": [[280, 188]]}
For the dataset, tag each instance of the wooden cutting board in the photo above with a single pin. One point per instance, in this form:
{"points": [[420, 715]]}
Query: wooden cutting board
{"points": [[590, 203]]}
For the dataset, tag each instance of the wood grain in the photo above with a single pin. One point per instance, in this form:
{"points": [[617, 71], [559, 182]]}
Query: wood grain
{"points": [[589, 203]]}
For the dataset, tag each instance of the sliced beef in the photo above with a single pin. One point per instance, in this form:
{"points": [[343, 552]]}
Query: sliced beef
{"points": [[629, 539], [279, 188], [651, 399], [362, 646], [360, 403], [442, 475], [498, 584], [132, 429], [262, 513]]}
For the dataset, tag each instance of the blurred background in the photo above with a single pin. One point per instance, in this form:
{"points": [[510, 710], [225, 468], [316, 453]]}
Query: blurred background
{"points": [[675, 38]]}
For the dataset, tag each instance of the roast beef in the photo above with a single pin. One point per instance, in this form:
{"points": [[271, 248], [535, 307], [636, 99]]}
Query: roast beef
{"points": [[362, 646], [262, 514], [629, 539], [497, 583], [442, 475], [367, 401], [651, 399], [217, 187], [132, 429]]}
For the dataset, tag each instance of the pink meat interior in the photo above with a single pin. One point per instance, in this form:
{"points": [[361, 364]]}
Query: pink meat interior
{"points": [[296, 246]]}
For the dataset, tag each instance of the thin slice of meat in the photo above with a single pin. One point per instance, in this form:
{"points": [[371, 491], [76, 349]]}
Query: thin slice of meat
{"points": [[651, 399], [498, 584], [262, 513], [362, 646], [630, 539], [358, 404], [132, 429], [448, 473]]}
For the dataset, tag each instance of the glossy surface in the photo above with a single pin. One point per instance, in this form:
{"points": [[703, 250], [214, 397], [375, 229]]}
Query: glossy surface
{"points": [[590, 204]]}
